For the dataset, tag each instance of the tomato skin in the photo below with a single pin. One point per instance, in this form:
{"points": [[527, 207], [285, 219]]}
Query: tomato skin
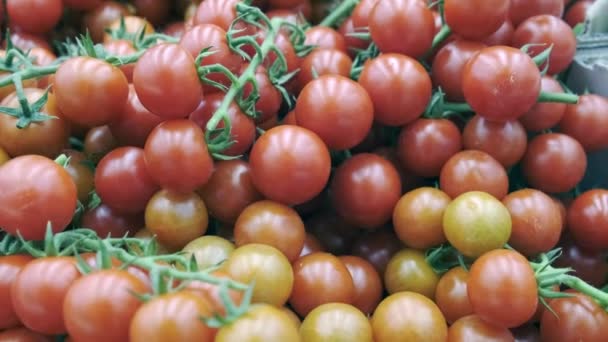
{"points": [[100, 305], [33, 16], [21, 334], [156, 11], [588, 220], [366, 281], [290, 164], [408, 316], [476, 222], [548, 114], [336, 322], [485, 87], [333, 232], [397, 100], [99, 18], [391, 23], [521, 10], [408, 270], [590, 266], [502, 36], [170, 317], [167, 82], [578, 317], [212, 293], [577, 13], [209, 250], [377, 247], [587, 122], [81, 173], [218, 12], [36, 190], [107, 222], [122, 48], [133, 25], [262, 322], [360, 14], [82, 4], [475, 19], [270, 100], [122, 180], [554, 163], [10, 266], [323, 37], [473, 328], [502, 278], [451, 294], [320, 278], [365, 190], [352, 43], [504, 141], [38, 292], [323, 62]]}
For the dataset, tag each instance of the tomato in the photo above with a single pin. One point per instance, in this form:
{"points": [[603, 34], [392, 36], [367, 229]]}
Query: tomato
{"points": [[81, 173], [218, 12], [408, 270], [448, 66], [262, 322], [577, 13], [409, 180], [156, 11], [213, 293], [545, 115], [270, 100], [167, 82], [204, 36], [336, 322], [546, 30], [134, 123], [588, 220], [451, 294], [473, 328], [38, 292], [473, 170], [311, 245], [526, 333], [334, 233], [418, 217], [122, 180], [10, 266], [377, 247], [284, 45], [147, 235], [322, 62], [475, 19], [590, 266], [537, 222], [503, 278], [425, 145], [45, 138], [26, 41], [397, 100], [23, 335], [361, 12], [365, 190], [521, 10], [175, 29], [177, 157], [289, 164], [554, 162], [323, 37], [408, 316], [476, 222], [273, 224], [209, 250], [98, 142], [34, 16], [122, 48], [268, 269], [134, 25], [391, 23], [574, 318], [367, 283], [504, 141], [587, 122], [352, 43], [320, 278], [105, 221], [36, 191], [502, 36], [172, 316], [102, 16], [100, 305], [82, 4]]}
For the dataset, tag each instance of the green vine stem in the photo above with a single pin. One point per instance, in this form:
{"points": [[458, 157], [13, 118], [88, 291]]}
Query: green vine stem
{"points": [[340, 13]]}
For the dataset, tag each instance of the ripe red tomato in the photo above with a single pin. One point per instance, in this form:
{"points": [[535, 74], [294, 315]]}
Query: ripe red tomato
{"points": [[352, 43], [105, 221], [36, 191], [451, 294], [290, 164], [473, 328], [475, 19], [408, 270], [545, 115], [377, 247], [587, 122], [218, 12], [505, 141], [167, 82], [156, 11], [590, 266], [503, 278], [397, 99], [122, 48], [577, 13], [323, 37], [361, 12], [323, 62], [336, 322], [213, 293], [82, 4], [34, 16], [366, 281], [10, 266], [98, 19], [588, 220], [270, 100], [521, 10], [502, 36]]}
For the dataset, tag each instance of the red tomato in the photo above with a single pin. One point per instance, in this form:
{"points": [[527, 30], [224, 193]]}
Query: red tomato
{"points": [[502, 36], [367, 283], [352, 43], [587, 122], [98, 141], [451, 294], [473, 328], [270, 100], [107, 222], [335, 234], [218, 12], [574, 318], [122, 48], [588, 220], [101, 17], [323, 37], [82, 4], [213, 293], [23, 335], [10, 266], [545, 115], [577, 13], [323, 62], [475, 19], [34, 16], [590, 266], [521, 10], [156, 11]]}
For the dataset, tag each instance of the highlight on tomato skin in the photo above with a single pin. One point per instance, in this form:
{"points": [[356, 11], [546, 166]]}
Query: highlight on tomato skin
{"points": [[301, 170]]}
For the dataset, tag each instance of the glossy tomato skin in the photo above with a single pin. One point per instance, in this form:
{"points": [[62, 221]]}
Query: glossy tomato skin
{"points": [[588, 220], [545, 115], [365, 189], [360, 14], [177, 157], [218, 12], [166, 81], [397, 99], [105, 221], [100, 305], [501, 83], [10, 266], [81, 173], [503, 278], [122, 180], [451, 294], [290, 164], [337, 109], [502, 36], [98, 141], [323, 37], [270, 99], [38, 292], [554, 162], [99, 18], [391, 23], [36, 191], [367, 283], [323, 62], [408, 270], [209, 250], [473, 328], [587, 122], [577, 13], [320, 278], [122, 48], [408, 316], [352, 43], [37, 17], [377, 247], [475, 19], [213, 293], [521, 10], [336, 322], [262, 322], [505, 141]]}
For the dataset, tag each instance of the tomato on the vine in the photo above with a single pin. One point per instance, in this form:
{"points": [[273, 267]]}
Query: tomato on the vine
{"points": [[587, 122], [545, 115], [475, 19], [33, 16], [10, 266], [323, 62], [588, 219], [451, 294], [505, 141]]}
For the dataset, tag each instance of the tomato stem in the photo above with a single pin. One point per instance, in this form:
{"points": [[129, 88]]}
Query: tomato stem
{"points": [[340, 13], [456, 107], [558, 97], [581, 286]]}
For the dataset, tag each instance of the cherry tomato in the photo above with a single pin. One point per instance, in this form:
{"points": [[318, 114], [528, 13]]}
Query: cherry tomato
{"points": [[107, 222], [102, 16], [451, 294], [361, 12], [591, 266], [336, 322], [391, 23], [408, 316], [473, 328], [156, 11], [219, 12], [335, 234], [475, 19], [37, 191], [122, 180], [323, 37], [588, 219], [213, 293], [504, 141], [82, 4], [352, 43], [587, 122], [502, 36], [100, 305], [167, 82], [554, 162], [577, 13], [521, 10], [26, 41], [320, 278], [209, 250], [366, 281], [176, 29], [408, 270], [503, 278], [89, 91], [262, 322], [290, 164], [545, 115], [377, 247], [397, 100], [10, 266], [269, 103], [323, 62], [34, 16], [82, 174], [134, 25], [122, 48], [476, 222], [98, 142], [311, 245]]}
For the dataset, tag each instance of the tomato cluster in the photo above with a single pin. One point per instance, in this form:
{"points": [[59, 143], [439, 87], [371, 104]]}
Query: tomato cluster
{"points": [[301, 170]]}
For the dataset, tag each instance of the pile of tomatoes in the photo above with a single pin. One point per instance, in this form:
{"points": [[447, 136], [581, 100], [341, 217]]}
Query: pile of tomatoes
{"points": [[301, 170]]}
